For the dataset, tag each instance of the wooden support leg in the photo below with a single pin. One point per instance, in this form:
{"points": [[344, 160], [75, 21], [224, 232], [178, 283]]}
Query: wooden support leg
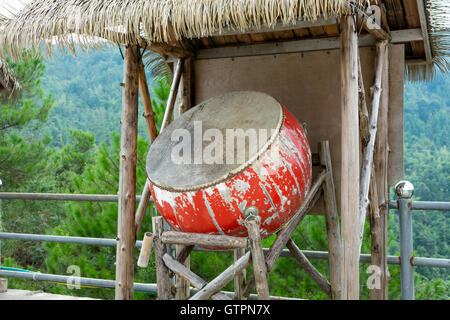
{"points": [[309, 268], [239, 280], [349, 158], [181, 284], [285, 233], [189, 276], [259, 264], [379, 225], [332, 224], [126, 237], [367, 161], [162, 272], [223, 279]]}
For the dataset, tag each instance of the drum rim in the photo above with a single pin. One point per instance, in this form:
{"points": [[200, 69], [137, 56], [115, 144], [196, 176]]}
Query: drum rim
{"points": [[236, 171]]}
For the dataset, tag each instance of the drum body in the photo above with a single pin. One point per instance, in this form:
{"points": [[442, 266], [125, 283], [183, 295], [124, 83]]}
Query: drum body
{"points": [[275, 180]]}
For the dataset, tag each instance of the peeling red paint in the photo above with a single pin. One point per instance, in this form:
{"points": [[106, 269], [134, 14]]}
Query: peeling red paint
{"points": [[278, 194]]}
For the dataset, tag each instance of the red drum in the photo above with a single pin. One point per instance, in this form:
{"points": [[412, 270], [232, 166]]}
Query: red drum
{"points": [[207, 166]]}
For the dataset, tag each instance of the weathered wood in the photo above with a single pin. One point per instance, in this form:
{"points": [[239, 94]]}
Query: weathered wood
{"points": [[223, 279], [367, 160], [259, 264], [286, 231], [349, 158], [173, 94], [181, 284], [332, 223], [162, 272], [305, 45], [184, 272], [187, 82], [210, 240], [142, 207], [146, 249], [168, 50], [424, 28], [239, 279], [149, 114], [321, 281], [379, 224], [375, 29], [184, 252], [189, 276], [126, 235], [279, 26], [363, 112]]}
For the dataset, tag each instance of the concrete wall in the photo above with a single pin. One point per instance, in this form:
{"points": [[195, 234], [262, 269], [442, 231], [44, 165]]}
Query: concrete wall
{"points": [[308, 84]]}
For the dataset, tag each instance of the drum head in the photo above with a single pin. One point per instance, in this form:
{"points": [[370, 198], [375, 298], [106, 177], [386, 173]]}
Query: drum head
{"points": [[214, 141]]}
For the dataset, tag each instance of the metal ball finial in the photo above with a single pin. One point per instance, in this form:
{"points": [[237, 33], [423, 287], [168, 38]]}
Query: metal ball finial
{"points": [[404, 189]]}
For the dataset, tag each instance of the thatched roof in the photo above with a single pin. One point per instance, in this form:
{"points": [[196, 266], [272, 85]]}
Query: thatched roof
{"points": [[7, 79], [168, 21]]}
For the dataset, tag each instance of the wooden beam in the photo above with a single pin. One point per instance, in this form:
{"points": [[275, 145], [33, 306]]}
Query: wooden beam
{"points": [[239, 279], [332, 223], [375, 29], [379, 223], [286, 231], [142, 207], [321, 281], [222, 280], [259, 264], [189, 276], [172, 95], [163, 287], [187, 85], [210, 240], [349, 158], [330, 43], [168, 50], [279, 26], [149, 114], [424, 28], [126, 235], [367, 160], [182, 285]]}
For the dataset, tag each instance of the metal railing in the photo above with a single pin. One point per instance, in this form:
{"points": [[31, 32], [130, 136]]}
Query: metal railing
{"points": [[406, 260]]}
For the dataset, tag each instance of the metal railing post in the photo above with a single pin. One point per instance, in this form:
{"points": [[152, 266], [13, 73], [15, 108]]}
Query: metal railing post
{"points": [[404, 191]]}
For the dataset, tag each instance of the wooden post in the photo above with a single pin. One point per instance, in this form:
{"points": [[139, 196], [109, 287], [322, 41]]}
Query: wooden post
{"points": [[259, 264], [187, 82], [142, 207], [148, 114], [349, 158], [163, 286], [379, 223], [172, 94], [332, 223], [3, 285], [126, 236], [367, 160], [182, 284], [239, 279]]}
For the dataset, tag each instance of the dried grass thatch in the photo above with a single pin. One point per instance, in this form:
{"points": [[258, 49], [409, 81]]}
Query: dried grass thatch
{"points": [[72, 24], [126, 21], [7, 79], [439, 31]]}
